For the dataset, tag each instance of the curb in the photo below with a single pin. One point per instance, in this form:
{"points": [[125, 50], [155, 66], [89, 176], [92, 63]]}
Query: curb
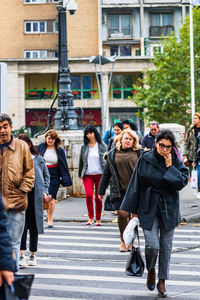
{"points": [[79, 220], [192, 218], [188, 219]]}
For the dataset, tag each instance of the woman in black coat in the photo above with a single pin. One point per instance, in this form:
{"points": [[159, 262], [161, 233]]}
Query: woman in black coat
{"points": [[153, 194], [56, 163]]}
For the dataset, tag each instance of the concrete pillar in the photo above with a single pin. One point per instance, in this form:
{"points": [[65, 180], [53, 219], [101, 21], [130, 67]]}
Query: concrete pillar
{"points": [[13, 100], [105, 94], [142, 27], [183, 13], [72, 140], [21, 99]]}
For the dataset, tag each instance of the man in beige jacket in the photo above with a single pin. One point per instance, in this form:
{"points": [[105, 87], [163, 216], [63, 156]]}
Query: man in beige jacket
{"points": [[16, 180]]}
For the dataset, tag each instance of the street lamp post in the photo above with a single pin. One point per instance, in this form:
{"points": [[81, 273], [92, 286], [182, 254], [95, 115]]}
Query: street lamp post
{"points": [[101, 60], [191, 3], [65, 117]]}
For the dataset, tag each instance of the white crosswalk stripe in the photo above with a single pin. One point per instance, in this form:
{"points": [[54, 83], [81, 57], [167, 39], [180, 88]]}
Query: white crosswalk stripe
{"points": [[77, 262]]}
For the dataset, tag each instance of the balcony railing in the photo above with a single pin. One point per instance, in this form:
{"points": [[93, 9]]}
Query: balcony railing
{"points": [[159, 30], [122, 93], [43, 94], [120, 33], [39, 94]]}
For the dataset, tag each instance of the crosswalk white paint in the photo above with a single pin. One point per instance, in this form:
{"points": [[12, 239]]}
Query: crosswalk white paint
{"points": [[76, 262]]}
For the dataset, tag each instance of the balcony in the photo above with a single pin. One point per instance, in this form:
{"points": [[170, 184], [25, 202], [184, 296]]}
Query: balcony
{"points": [[122, 93], [46, 94], [120, 34], [157, 31], [39, 94]]}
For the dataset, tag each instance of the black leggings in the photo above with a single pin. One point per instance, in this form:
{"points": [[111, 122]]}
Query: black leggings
{"points": [[33, 233]]}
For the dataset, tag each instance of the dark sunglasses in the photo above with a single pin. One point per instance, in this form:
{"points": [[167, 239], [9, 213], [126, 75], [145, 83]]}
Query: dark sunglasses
{"points": [[162, 146], [153, 129]]}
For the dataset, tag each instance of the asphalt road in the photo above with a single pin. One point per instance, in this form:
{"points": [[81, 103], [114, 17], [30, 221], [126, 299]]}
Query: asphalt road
{"points": [[75, 261]]}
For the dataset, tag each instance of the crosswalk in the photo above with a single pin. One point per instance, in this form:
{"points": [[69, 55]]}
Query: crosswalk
{"points": [[75, 261]]}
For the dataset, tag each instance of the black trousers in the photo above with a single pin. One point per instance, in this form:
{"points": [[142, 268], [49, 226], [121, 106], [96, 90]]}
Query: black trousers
{"points": [[30, 224], [33, 240]]}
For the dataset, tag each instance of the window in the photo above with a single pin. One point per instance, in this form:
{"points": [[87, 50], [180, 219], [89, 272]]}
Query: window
{"points": [[122, 86], [119, 25], [55, 26], [81, 86], [34, 1], [35, 54], [35, 26], [121, 50], [42, 54], [161, 23], [154, 48]]}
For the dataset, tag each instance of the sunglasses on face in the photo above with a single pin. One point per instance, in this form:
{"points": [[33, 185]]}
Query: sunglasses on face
{"points": [[162, 146]]}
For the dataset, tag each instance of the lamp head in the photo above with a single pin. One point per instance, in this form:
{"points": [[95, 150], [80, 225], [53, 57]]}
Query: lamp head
{"points": [[70, 5]]}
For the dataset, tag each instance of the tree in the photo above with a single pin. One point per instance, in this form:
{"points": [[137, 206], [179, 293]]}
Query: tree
{"points": [[164, 94]]}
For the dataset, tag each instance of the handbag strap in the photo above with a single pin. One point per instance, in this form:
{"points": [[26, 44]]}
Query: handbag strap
{"points": [[137, 235]]}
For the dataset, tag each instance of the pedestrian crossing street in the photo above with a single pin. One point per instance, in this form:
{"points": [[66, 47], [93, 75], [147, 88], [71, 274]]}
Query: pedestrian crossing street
{"points": [[75, 261]]}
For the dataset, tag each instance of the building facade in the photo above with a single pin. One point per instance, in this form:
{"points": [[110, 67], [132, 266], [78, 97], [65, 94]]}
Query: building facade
{"points": [[130, 29]]}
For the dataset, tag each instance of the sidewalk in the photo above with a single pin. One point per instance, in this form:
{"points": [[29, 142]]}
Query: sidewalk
{"points": [[74, 209]]}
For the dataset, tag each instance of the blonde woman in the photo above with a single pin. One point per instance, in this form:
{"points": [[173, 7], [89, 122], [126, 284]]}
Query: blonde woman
{"points": [[120, 164]]}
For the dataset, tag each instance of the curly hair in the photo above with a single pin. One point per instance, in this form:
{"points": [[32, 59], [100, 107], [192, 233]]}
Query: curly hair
{"points": [[53, 134], [118, 139]]}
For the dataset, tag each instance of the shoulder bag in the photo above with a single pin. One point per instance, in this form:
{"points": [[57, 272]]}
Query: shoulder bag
{"points": [[135, 263], [108, 205]]}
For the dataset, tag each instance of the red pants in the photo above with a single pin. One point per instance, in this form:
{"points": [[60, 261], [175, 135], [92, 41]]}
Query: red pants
{"points": [[89, 181]]}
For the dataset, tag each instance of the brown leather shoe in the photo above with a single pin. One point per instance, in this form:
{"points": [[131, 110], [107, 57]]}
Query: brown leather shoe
{"points": [[151, 280]]}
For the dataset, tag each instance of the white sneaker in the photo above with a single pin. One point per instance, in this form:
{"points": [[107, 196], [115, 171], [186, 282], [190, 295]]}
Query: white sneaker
{"points": [[22, 261], [32, 261]]}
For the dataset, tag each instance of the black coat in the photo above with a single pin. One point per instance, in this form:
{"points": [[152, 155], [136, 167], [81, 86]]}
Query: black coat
{"points": [[110, 176], [65, 178], [6, 255], [153, 187]]}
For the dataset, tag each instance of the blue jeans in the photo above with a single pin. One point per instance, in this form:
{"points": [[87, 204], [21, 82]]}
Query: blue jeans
{"points": [[16, 221]]}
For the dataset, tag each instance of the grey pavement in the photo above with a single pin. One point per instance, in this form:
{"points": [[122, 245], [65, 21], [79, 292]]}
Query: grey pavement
{"points": [[74, 209]]}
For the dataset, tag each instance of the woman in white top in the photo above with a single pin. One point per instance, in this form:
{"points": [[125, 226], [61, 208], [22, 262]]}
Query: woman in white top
{"points": [[91, 165], [56, 163]]}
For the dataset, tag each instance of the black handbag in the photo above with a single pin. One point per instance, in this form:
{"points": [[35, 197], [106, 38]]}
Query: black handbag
{"points": [[135, 263], [19, 289], [108, 205]]}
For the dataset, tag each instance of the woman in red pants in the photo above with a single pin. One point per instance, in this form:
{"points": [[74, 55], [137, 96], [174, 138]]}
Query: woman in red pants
{"points": [[91, 165]]}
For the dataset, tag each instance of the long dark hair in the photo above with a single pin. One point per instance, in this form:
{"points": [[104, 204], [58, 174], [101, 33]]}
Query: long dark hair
{"points": [[27, 139], [168, 135], [88, 129]]}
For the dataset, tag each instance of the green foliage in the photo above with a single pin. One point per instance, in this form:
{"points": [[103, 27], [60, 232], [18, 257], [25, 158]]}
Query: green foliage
{"points": [[21, 130], [165, 91]]}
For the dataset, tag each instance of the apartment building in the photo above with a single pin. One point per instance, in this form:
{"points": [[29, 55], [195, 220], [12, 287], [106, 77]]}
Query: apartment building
{"points": [[131, 29]]}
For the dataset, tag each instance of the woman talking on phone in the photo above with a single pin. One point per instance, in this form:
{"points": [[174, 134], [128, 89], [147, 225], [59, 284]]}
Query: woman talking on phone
{"points": [[153, 194]]}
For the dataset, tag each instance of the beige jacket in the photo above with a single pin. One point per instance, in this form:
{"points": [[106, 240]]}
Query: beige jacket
{"points": [[16, 174]]}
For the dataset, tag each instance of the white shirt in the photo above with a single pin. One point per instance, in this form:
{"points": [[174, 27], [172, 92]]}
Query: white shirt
{"points": [[50, 157], [94, 166]]}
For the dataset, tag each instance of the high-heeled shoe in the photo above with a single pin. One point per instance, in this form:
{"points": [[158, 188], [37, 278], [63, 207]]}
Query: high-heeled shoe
{"points": [[151, 278], [162, 294]]}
